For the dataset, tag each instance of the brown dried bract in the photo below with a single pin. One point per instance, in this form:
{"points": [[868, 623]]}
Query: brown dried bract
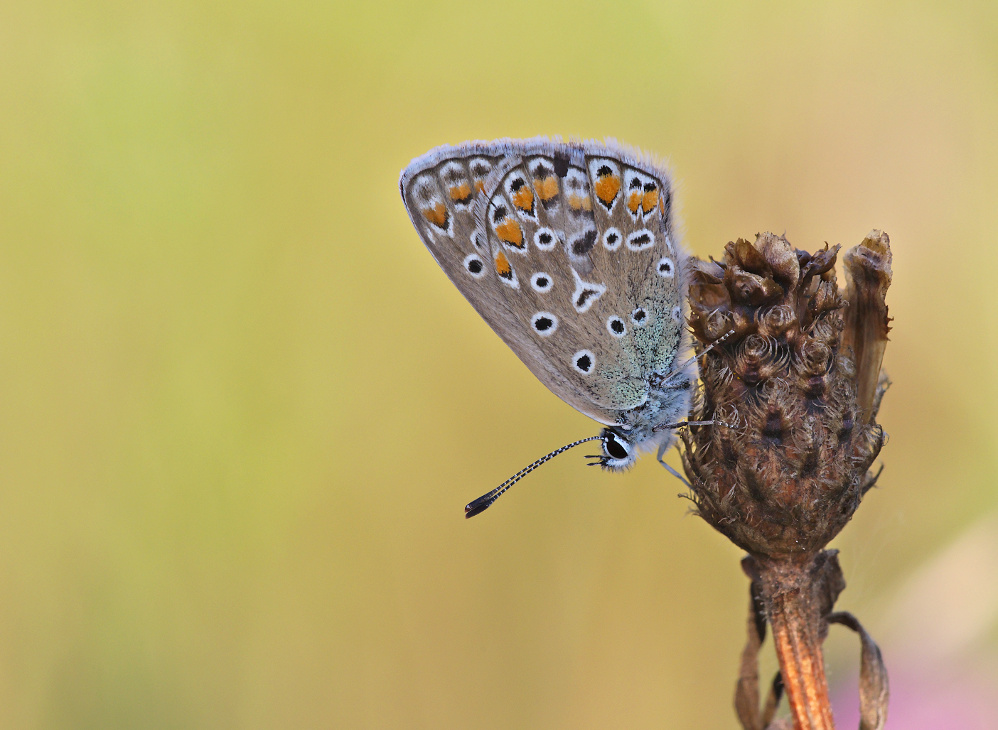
{"points": [[794, 387]]}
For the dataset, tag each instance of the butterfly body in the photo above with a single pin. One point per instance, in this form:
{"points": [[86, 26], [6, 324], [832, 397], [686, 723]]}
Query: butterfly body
{"points": [[569, 252]]}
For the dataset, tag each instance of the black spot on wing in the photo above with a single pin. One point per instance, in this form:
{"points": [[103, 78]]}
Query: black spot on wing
{"points": [[584, 296], [583, 244], [560, 165]]}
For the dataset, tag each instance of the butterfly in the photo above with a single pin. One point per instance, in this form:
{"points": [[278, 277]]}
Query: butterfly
{"points": [[569, 251]]}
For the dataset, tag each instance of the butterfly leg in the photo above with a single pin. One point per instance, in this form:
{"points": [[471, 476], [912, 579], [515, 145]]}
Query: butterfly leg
{"points": [[661, 452], [683, 424]]}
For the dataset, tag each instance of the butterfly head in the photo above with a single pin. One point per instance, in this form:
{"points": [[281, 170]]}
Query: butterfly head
{"points": [[619, 453]]}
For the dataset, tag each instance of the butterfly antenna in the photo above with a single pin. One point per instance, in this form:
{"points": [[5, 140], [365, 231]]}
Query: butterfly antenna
{"points": [[485, 501], [715, 343], [681, 369]]}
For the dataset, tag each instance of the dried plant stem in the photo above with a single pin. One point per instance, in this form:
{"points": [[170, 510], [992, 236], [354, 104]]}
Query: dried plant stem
{"points": [[796, 596], [798, 648]]}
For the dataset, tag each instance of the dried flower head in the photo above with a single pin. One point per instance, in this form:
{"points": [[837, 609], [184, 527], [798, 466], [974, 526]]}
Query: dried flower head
{"points": [[793, 391]]}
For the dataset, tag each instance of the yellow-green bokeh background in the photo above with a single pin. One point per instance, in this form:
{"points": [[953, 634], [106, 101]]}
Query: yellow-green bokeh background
{"points": [[241, 409]]}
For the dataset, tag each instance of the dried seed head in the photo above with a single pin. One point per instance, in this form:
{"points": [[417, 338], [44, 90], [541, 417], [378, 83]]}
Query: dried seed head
{"points": [[796, 387]]}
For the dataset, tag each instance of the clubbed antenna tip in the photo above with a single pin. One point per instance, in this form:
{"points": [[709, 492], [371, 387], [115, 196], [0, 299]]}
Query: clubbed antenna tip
{"points": [[485, 501]]}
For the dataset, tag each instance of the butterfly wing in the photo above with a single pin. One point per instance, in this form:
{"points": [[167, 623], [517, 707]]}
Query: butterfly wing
{"points": [[568, 252]]}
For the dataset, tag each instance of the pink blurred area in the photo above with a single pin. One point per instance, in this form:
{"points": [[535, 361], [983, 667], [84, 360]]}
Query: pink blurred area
{"points": [[931, 696], [936, 632]]}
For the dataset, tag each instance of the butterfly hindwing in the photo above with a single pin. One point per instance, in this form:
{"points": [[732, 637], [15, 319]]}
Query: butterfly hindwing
{"points": [[568, 252]]}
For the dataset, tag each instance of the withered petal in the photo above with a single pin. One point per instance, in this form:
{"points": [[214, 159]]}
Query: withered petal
{"points": [[751, 289], [868, 276], [748, 257], [781, 257], [874, 687]]}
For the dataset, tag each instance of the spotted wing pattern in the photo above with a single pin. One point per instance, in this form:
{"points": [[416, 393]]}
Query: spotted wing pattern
{"points": [[568, 251]]}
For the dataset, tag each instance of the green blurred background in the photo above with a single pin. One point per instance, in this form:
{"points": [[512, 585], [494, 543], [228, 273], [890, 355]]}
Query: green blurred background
{"points": [[242, 409]]}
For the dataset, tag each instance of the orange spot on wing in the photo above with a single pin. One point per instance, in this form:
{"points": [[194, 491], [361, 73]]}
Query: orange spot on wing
{"points": [[460, 193], [579, 202], [524, 199], [607, 188], [437, 215], [510, 233], [634, 202], [502, 266], [480, 186], [546, 188], [650, 201]]}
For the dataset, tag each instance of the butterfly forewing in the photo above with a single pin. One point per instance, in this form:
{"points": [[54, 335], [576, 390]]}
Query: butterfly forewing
{"points": [[440, 190]]}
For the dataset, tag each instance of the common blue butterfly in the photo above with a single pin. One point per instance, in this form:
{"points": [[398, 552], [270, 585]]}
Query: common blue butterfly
{"points": [[569, 251]]}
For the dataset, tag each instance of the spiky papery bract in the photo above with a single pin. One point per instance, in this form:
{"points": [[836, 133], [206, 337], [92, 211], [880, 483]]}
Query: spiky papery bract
{"points": [[787, 461]]}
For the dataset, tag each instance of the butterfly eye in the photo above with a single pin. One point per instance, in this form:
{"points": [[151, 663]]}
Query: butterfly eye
{"points": [[613, 447]]}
